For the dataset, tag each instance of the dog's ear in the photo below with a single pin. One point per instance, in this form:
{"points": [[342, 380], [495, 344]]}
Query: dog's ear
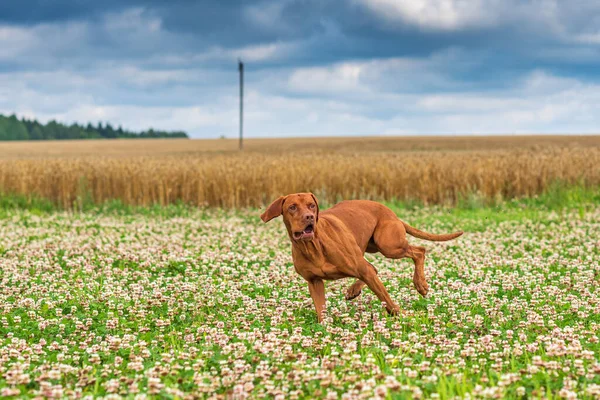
{"points": [[317, 204], [274, 210]]}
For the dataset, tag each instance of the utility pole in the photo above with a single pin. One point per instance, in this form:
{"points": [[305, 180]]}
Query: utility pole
{"points": [[241, 69]]}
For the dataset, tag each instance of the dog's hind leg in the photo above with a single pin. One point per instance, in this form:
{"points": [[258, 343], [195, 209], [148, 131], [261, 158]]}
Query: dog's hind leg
{"points": [[417, 253], [390, 239]]}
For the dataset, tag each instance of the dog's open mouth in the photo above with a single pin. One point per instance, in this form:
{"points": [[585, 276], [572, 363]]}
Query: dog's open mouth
{"points": [[307, 233]]}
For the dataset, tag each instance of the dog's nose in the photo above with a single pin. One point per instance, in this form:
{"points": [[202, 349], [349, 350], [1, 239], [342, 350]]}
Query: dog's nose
{"points": [[309, 217]]}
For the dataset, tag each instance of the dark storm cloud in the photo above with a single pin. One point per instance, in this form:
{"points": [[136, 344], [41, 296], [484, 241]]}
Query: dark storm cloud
{"points": [[235, 23], [45, 11], [327, 30]]}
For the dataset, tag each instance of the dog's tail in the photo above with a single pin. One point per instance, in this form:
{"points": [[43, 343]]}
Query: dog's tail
{"points": [[430, 236]]}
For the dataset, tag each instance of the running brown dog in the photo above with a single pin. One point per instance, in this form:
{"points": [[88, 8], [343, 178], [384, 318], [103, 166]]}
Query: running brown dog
{"points": [[331, 245]]}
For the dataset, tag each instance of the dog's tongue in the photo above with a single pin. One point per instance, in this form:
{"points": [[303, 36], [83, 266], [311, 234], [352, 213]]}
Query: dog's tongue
{"points": [[307, 232]]}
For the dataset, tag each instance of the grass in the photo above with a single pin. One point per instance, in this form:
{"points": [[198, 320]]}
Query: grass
{"points": [[477, 215], [557, 197], [180, 302]]}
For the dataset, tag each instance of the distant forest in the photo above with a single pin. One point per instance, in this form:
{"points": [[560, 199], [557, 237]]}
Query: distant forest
{"points": [[12, 128]]}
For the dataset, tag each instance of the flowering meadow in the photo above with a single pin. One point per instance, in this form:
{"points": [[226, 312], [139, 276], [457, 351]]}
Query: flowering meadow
{"points": [[206, 304]]}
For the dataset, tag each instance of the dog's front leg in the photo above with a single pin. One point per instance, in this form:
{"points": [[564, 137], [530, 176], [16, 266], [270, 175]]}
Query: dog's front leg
{"points": [[368, 274], [317, 292]]}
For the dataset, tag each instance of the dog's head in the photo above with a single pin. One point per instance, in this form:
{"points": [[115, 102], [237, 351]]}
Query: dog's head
{"points": [[300, 214]]}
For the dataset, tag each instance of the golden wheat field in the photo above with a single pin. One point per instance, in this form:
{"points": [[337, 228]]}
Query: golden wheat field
{"points": [[214, 173]]}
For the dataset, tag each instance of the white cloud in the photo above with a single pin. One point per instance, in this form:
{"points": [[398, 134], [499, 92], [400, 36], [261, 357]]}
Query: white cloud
{"points": [[13, 40], [193, 118], [252, 53], [145, 78], [41, 42], [132, 20], [337, 78], [397, 74], [438, 14], [562, 20], [267, 15], [542, 103], [588, 38], [260, 52], [124, 35]]}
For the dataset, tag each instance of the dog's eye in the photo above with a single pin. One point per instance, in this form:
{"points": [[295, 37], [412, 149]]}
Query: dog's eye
{"points": [[292, 207], [311, 206]]}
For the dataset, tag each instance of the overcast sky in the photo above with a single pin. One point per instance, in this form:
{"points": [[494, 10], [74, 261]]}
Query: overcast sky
{"points": [[313, 67]]}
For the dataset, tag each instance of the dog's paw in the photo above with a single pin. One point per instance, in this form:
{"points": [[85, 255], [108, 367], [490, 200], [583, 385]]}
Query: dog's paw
{"points": [[355, 290], [394, 310], [421, 286], [352, 293]]}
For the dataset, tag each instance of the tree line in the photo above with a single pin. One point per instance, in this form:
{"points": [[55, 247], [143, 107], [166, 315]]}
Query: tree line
{"points": [[12, 128]]}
